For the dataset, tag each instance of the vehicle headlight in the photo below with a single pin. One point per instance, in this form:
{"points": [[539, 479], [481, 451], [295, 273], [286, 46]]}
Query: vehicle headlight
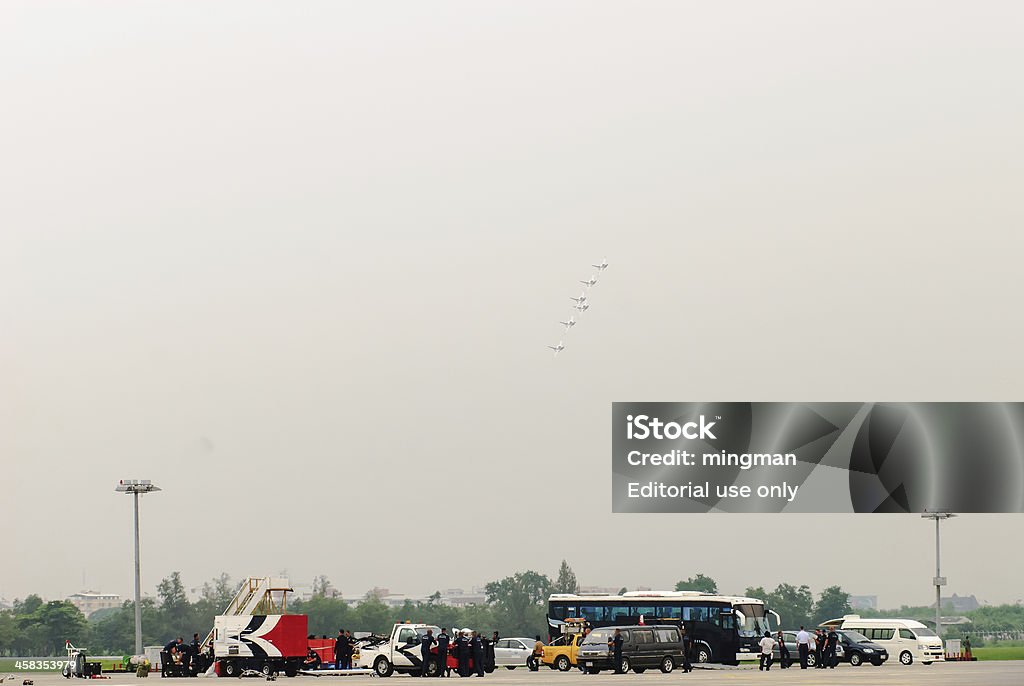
{"points": [[869, 650]]}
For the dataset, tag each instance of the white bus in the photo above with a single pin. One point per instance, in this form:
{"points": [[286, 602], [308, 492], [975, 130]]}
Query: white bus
{"points": [[907, 639], [721, 628]]}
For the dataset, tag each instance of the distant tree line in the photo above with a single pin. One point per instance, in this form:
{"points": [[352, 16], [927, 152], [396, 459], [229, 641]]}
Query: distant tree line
{"points": [[515, 606]]}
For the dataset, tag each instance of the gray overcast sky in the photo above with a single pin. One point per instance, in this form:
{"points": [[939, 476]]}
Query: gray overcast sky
{"points": [[299, 263]]}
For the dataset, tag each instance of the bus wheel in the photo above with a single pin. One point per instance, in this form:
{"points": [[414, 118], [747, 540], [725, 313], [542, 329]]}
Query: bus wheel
{"points": [[703, 653], [562, 664]]}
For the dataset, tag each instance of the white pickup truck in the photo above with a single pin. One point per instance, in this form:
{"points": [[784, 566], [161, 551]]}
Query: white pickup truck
{"points": [[400, 652]]}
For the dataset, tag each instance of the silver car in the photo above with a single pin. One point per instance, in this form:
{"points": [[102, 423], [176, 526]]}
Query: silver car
{"points": [[513, 652]]}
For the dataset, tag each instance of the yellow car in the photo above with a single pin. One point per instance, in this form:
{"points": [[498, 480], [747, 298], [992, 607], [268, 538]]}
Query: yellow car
{"points": [[561, 654]]}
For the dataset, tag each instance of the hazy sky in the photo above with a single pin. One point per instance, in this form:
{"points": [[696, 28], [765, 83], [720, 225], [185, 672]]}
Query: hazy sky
{"points": [[299, 262]]}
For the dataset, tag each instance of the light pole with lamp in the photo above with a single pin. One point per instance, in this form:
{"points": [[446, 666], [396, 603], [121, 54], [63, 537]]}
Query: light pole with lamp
{"points": [[939, 580], [137, 487]]}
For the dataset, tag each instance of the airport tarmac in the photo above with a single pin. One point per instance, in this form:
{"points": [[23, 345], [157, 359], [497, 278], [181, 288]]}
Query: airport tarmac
{"points": [[1010, 673]]}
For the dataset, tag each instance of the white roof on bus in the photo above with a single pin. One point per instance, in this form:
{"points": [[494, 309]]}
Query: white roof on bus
{"points": [[656, 595]]}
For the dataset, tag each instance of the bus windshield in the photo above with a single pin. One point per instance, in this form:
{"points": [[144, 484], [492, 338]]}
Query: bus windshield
{"points": [[754, 622]]}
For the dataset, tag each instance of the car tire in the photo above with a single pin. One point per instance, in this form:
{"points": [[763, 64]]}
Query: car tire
{"points": [[812, 661], [876, 663], [906, 658], [383, 668], [703, 653], [668, 663], [624, 665], [856, 660], [291, 669], [433, 667], [510, 667], [562, 663], [230, 668], [639, 670]]}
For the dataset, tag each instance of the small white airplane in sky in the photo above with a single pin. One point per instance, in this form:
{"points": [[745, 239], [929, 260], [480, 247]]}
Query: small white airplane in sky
{"points": [[569, 324], [602, 266], [557, 348], [580, 300], [582, 306], [590, 283]]}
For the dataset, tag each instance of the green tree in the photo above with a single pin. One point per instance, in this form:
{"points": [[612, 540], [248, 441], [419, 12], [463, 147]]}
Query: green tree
{"points": [[520, 599], [566, 582], [373, 615], [52, 624], [833, 602], [698, 583]]}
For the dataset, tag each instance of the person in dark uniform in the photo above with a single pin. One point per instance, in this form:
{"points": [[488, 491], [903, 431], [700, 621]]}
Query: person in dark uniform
{"points": [[350, 649], [478, 653], [442, 653], [687, 667], [195, 648], [463, 651], [819, 648], [784, 660], [616, 647], [312, 661], [426, 643], [167, 657], [491, 645], [830, 648], [340, 644]]}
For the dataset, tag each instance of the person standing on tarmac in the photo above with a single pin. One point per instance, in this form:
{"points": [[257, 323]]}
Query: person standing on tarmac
{"points": [[195, 649], [615, 643], [478, 653], [784, 660], [819, 649], [687, 667], [462, 652], [767, 645], [491, 661], [442, 653], [426, 643], [803, 644], [340, 643], [831, 640]]}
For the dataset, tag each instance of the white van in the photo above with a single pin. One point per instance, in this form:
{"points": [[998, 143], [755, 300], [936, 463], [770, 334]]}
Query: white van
{"points": [[906, 639]]}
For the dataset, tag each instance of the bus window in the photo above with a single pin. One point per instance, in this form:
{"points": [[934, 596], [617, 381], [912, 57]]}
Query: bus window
{"points": [[617, 615], [646, 610], [695, 613], [593, 613], [670, 612]]}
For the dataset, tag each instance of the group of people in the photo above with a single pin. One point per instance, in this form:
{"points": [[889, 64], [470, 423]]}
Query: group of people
{"points": [[822, 643], [474, 652], [344, 648], [181, 659]]}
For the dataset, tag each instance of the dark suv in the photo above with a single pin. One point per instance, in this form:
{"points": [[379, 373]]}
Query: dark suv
{"points": [[858, 649], [643, 647]]}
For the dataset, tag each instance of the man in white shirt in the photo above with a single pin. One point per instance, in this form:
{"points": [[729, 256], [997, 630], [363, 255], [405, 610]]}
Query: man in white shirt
{"points": [[767, 646], [803, 642]]}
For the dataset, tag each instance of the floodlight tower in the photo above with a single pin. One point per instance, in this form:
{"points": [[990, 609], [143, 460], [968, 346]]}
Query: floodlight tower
{"points": [[137, 487], [939, 580]]}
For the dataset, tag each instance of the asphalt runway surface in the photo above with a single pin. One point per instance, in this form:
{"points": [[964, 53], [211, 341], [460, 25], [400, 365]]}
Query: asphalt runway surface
{"points": [[1010, 673]]}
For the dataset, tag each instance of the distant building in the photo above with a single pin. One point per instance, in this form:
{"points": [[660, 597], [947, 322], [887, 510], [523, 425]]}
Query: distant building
{"points": [[91, 601], [602, 590], [864, 602], [960, 603], [456, 597]]}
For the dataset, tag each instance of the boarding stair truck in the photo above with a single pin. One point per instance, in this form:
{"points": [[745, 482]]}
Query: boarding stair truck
{"points": [[255, 633], [400, 652]]}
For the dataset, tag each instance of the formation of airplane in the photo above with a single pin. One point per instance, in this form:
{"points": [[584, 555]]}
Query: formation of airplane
{"points": [[581, 303]]}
